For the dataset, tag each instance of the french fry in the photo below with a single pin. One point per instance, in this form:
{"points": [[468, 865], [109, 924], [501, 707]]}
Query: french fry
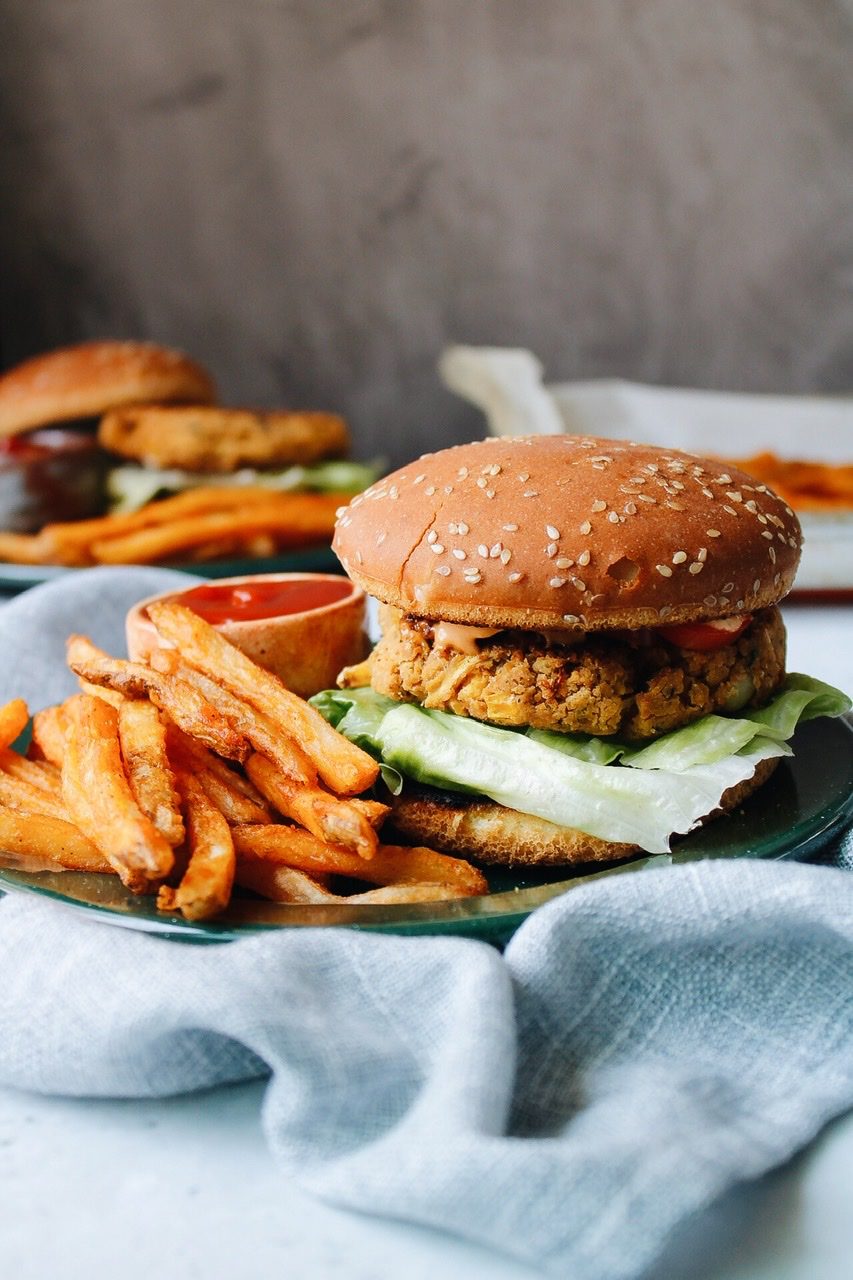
{"points": [[38, 773], [181, 701], [49, 729], [343, 767], [287, 885], [339, 822], [205, 887], [100, 800], [15, 793], [294, 519], [55, 842], [392, 864], [257, 728], [234, 796], [142, 737], [25, 548], [14, 718]]}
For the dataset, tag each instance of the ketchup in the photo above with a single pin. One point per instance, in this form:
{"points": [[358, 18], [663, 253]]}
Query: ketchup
{"points": [[248, 601]]}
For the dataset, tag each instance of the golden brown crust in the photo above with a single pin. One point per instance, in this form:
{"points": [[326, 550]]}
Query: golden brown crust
{"points": [[202, 438], [569, 532], [86, 380], [490, 834]]}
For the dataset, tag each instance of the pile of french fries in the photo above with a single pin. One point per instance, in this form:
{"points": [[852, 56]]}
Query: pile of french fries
{"points": [[206, 523], [200, 770]]}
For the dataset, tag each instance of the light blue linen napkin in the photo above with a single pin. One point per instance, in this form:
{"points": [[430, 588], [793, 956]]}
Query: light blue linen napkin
{"points": [[643, 1044]]}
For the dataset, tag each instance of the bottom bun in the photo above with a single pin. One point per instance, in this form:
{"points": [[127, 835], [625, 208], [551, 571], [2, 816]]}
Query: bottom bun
{"points": [[489, 833]]}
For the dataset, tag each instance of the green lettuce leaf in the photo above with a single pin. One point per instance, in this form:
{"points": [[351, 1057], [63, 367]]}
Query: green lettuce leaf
{"points": [[573, 780], [130, 487]]}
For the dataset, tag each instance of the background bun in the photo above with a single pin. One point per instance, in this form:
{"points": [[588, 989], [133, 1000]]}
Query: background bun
{"points": [[85, 381], [568, 532]]}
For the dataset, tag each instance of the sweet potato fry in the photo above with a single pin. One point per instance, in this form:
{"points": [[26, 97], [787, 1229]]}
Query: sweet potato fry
{"points": [[285, 884], [343, 767], [38, 773], [234, 796], [99, 797], [181, 702], [256, 727], [142, 736], [339, 822], [205, 888], [51, 841], [49, 729], [14, 718], [16, 793], [294, 519], [392, 864]]}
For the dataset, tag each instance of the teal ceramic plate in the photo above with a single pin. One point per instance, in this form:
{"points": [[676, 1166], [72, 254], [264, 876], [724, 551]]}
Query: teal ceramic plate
{"points": [[320, 559], [806, 803]]}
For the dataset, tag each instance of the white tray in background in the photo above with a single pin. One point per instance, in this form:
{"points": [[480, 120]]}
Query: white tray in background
{"points": [[507, 385]]}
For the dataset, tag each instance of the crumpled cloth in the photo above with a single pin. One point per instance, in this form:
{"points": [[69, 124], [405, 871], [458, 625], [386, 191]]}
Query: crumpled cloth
{"points": [[642, 1044]]}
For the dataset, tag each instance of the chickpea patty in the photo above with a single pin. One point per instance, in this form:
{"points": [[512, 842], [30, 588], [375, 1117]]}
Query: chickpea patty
{"points": [[631, 683]]}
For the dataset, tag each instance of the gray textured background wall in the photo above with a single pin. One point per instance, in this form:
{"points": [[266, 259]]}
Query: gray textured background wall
{"points": [[315, 196]]}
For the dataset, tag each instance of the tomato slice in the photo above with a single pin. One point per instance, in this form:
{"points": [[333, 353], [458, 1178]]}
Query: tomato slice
{"points": [[715, 634]]}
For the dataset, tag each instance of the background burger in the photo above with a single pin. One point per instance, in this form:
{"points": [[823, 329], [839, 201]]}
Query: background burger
{"points": [[581, 648], [112, 425]]}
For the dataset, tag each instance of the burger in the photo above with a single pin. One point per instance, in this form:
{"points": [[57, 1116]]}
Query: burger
{"points": [[582, 653], [113, 425], [52, 465]]}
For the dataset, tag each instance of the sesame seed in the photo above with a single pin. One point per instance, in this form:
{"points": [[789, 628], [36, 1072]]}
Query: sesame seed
{"points": [[756, 584], [613, 517], [551, 549], [673, 506], [438, 548], [730, 586], [481, 482], [571, 617], [556, 582], [646, 497], [734, 495], [359, 559], [765, 533], [708, 493], [730, 510], [710, 601], [598, 505], [637, 480], [702, 554], [725, 478], [762, 519], [677, 484], [531, 493], [563, 562], [583, 558], [444, 570], [515, 577], [393, 492], [490, 493], [630, 508], [723, 601], [696, 567], [483, 551], [772, 553], [432, 536], [495, 551], [679, 557], [430, 490], [713, 533], [524, 477], [739, 605], [510, 528], [579, 584], [664, 570], [452, 527], [448, 488], [551, 531], [751, 505], [461, 527], [586, 527], [599, 466], [494, 469], [459, 553], [339, 511], [462, 473], [664, 611]]}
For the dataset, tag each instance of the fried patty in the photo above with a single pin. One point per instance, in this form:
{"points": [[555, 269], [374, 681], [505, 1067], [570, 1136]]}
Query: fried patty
{"points": [[631, 683]]}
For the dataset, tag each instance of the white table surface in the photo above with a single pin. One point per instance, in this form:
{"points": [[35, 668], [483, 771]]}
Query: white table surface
{"points": [[185, 1188]]}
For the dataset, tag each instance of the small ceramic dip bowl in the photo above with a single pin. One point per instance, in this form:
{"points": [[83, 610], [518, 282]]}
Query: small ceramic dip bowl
{"points": [[304, 627]]}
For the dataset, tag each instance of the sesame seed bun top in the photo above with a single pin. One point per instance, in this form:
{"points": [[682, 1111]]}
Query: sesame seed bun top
{"points": [[88, 379], [567, 533]]}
